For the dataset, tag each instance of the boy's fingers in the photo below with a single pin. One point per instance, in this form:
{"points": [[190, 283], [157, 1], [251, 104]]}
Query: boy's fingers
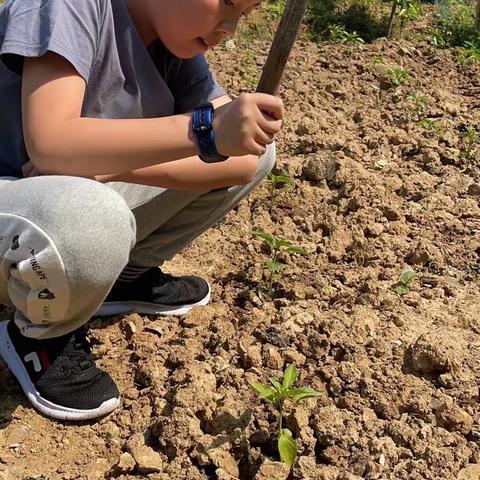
{"points": [[268, 124], [270, 104], [264, 138]]}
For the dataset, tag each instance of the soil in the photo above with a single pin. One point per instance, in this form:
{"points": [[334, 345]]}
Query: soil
{"points": [[398, 374]]}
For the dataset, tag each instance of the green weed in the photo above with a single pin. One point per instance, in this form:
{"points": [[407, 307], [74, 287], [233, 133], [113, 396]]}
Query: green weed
{"points": [[337, 33], [364, 17], [276, 7], [456, 24], [470, 53]]}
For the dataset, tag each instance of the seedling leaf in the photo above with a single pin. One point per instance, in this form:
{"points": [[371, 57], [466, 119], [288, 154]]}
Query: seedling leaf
{"points": [[283, 244], [279, 182], [265, 392], [276, 267], [299, 250], [278, 386], [407, 276], [287, 447], [303, 393], [289, 376], [401, 290], [268, 238]]}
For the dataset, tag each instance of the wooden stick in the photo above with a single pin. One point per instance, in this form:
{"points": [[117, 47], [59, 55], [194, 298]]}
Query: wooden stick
{"points": [[282, 46]]}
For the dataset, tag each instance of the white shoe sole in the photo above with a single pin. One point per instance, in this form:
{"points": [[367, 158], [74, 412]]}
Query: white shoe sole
{"points": [[59, 412], [117, 308]]}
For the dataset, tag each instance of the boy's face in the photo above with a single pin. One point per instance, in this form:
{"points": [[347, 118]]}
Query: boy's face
{"points": [[190, 27]]}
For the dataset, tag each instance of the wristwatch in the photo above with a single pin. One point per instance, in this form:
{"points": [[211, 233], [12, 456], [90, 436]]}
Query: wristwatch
{"points": [[202, 122]]}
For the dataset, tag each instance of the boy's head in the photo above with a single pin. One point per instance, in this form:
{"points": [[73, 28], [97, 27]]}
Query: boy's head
{"points": [[189, 27]]}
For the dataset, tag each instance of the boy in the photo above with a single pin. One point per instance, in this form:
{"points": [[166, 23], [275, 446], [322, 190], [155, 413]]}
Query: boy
{"points": [[129, 150]]}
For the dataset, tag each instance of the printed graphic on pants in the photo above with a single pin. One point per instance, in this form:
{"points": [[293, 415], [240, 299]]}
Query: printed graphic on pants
{"points": [[33, 271]]}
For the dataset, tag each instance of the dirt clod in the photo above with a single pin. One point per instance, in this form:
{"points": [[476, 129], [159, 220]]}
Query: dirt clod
{"points": [[273, 471]]}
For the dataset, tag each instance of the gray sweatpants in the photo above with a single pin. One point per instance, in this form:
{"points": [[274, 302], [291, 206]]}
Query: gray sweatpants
{"points": [[65, 240]]}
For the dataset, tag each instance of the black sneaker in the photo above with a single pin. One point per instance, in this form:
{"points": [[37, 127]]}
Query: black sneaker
{"points": [[57, 375], [157, 293]]}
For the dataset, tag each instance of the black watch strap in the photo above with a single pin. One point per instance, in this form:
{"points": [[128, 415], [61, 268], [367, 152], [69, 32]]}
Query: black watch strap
{"points": [[202, 121]]}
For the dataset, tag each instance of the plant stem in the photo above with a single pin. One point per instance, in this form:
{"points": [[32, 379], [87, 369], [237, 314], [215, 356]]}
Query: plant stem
{"points": [[280, 418], [272, 273]]}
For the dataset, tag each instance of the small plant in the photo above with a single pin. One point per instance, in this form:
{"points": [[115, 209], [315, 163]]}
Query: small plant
{"points": [[377, 60], [276, 396], [430, 124], [470, 53], [276, 246], [437, 38], [456, 23], [402, 285], [419, 103], [397, 76], [277, 184], [352, 37], [471, 141], [337, 33], [276, 7]]}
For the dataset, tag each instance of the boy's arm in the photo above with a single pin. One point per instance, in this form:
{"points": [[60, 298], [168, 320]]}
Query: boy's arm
{"points": [[191, 174], [59, 141]]}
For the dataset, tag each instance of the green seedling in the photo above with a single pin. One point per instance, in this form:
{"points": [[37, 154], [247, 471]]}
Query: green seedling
{"points": [[430, 124], [471, 141], [276, 396], [402, 285], [419, 103], [276, 246], [377, 60], [277, 7], [337, 33], [397, 76], [277, 184]]}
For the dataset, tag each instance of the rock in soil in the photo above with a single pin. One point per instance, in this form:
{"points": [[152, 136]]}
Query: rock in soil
{"points": [[273, 471]]}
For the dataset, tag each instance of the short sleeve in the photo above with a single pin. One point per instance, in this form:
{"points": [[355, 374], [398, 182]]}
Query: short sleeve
{"points": [[190, 81], [70, 28]]}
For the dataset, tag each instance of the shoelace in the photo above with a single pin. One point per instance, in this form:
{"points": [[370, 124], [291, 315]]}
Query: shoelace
{"points": [[77, 350], [160, 275]]}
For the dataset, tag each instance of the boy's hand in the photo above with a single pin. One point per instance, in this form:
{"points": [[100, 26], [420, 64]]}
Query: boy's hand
{"points": [[248, 124]]}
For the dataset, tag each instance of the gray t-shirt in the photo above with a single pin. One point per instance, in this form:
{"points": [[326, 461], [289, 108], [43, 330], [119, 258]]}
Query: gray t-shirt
{"points": [[124, 78]]}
